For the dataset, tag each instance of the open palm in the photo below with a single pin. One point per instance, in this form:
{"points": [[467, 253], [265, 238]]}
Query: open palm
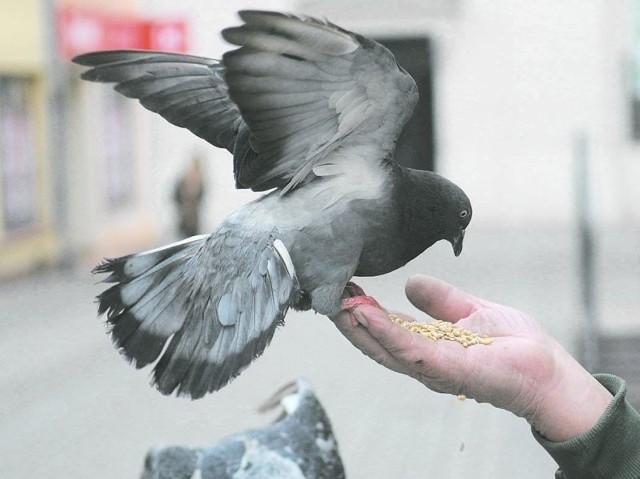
{"points": [[524, 370]]}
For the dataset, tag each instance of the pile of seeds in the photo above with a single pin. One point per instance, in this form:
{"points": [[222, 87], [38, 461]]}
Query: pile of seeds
{"points": [[442, 330]]}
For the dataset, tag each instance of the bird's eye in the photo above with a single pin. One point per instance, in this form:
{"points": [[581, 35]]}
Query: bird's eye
{"points": [[464, 213]]}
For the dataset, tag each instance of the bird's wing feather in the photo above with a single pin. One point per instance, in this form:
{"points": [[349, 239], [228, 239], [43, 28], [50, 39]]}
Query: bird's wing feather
{"points": [[216, 300], [296, 90], [188, 91], [304, 87]]}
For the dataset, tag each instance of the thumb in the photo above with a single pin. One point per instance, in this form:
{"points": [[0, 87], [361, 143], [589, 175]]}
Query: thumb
{"points": [[441, 300]]}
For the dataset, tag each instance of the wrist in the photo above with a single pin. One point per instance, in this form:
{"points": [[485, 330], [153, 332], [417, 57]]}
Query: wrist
{"points": [[571, 403]]}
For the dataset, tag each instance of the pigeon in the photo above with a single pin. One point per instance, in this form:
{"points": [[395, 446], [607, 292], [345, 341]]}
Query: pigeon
{"points": [[300, 444], [311, 113]]}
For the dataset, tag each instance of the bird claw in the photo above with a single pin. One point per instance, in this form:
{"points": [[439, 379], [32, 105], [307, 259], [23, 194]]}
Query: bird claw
{"points": [[355, 296], [352, 290], [354, 301]]}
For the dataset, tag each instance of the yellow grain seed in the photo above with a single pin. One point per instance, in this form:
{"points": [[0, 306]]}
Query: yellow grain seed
{"points": [[461, 397], [442, 330]]}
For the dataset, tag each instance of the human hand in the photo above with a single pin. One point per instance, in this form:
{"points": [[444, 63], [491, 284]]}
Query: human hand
{"points": [[524, 370]]}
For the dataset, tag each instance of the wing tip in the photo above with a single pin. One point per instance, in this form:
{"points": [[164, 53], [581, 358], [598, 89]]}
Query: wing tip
{"points": [[95, 58], [248, 14]]}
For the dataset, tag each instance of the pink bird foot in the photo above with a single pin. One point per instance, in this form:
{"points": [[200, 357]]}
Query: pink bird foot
{"points": [[354, 296], [352, 302]]}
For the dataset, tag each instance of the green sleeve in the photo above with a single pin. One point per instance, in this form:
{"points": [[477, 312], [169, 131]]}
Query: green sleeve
{"points": [[611, 449]]}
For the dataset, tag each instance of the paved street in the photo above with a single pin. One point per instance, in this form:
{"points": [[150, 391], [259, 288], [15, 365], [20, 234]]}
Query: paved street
{"points": [[71, 407]]}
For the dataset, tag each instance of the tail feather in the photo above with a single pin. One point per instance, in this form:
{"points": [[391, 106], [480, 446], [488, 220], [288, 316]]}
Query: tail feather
{"points": [[143, 307], [134, 266], [216, 299]]}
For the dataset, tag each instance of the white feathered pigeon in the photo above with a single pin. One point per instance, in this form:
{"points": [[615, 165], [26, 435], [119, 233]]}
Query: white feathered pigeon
{"points": [[311, 112]]}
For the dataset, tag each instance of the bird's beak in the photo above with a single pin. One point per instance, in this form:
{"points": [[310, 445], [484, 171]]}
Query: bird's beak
{"points": [[456, 242]]}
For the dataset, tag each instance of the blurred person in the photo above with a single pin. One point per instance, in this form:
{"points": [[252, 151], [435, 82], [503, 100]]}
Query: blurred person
{"points": [[584, 422], [188, 195]]}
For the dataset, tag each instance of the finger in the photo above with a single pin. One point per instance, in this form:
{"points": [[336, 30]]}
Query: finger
{"points": [[391, 336], [440, 365], [362, 339], [396, 340], [441, 300]]}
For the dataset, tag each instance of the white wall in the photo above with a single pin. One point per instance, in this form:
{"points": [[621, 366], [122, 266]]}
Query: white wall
{"points": [[518, 81]]}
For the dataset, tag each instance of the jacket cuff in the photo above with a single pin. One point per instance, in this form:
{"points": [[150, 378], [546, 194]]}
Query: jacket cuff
{"points": [[609, 449]]}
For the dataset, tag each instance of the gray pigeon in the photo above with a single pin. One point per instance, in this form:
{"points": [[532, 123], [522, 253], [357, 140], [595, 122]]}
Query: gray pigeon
{"points": [[299, 445], [311, 112]]}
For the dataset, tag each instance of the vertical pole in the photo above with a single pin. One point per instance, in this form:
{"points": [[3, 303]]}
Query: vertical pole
{"points": [[584, 207]]}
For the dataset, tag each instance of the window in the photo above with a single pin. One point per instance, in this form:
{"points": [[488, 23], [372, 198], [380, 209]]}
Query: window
{"points": [[17, 154]]}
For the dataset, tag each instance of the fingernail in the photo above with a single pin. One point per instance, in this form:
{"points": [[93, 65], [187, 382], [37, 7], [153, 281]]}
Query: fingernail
{"points": [[360, 318]]}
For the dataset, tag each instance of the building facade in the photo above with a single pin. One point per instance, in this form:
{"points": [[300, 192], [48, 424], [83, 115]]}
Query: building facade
{"points": [[522, 96], [74, 160], [27, 229]]}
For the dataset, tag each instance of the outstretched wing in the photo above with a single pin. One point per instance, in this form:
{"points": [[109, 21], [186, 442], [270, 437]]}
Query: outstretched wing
{"points": [[213, 301], [305, 87], [296, 90], [186, 90]]}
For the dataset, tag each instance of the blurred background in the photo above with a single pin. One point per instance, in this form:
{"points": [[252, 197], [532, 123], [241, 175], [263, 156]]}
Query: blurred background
{"points": [[533, 108]]}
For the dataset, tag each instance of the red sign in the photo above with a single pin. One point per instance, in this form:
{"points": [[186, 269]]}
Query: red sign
{"points": [[81, 31]]}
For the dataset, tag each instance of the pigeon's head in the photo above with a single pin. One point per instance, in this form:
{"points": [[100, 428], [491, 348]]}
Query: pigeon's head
{"points": [[457, 217], [439, 209]]}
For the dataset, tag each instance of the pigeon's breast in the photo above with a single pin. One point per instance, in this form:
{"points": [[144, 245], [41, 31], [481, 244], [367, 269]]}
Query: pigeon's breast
{"points": [[383, 249]]}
